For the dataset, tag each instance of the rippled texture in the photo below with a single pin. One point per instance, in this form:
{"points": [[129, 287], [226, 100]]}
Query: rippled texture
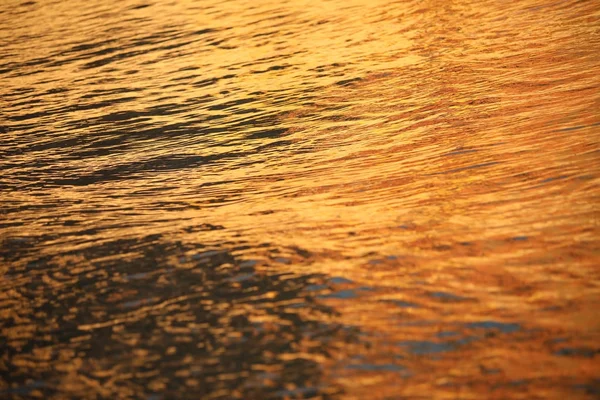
{"points": [[334, 199]]}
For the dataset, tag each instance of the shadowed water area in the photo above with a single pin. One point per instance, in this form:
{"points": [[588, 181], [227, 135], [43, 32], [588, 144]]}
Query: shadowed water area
{"points": [[292, 199]]}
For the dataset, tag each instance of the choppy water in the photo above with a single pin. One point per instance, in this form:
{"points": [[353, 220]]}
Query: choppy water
{"points": [[334, 199]]}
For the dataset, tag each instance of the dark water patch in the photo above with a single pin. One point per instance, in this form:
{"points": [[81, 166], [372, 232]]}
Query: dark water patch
{"points": [[134, 170], [28, 116], [519, 238], [232, 103], [98, 105], [502, 327], [592, 388], [317, 288], [201, 32], [377, 367], [272, 68], [140, 6], [348, 82], [424, 347], [206, 82], [576, 128], [274, 145], [121, 116], [446, 334], [267, 134], [340, 280], [561, 177], [403, 304], [29, 101], [203, 228], [448, 297], [176, 311], [88, 46], [585, 352], [517, 383], [130, 54], [184, 78], [338, 289], [345, 294], [23, 390]]}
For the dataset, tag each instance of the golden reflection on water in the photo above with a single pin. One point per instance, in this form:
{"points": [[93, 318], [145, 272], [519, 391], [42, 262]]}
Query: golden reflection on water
{"points": [[261, 199]]}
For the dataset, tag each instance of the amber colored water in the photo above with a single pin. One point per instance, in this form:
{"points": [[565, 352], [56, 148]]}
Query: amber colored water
{"points": [[300, 199]]}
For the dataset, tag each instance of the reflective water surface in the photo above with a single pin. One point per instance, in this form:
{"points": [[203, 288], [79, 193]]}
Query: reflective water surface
{"points": [[264, 199]]}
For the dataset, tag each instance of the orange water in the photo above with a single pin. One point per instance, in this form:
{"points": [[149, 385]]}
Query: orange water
{"points": [[334, 199]]}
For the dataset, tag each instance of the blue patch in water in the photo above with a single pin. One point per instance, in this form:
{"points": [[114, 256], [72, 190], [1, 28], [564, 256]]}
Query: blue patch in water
{"points": [[134, 303], [404, 304], [520, 238], [377, 367], [24, 390], [339, 280], [466, 340], [139, 275], [342, 294], [462, 151], [571, 128], [248, 263], [209, 253], [315, 288], [495, 325], [447, 296], [241, 277], [424, 347], [445, 334], [555, 179], [298, 305]]}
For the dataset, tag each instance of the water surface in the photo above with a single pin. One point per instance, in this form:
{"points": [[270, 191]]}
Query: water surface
{"points": [[334, 199]]}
